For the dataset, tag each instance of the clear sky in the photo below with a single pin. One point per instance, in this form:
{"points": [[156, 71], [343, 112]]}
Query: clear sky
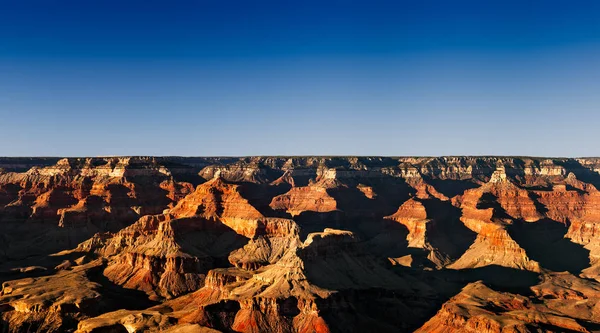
{"points": [[208, 77]]}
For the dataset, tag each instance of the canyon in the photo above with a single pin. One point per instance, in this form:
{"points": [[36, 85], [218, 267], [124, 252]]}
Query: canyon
{"points": [[300, 244]]}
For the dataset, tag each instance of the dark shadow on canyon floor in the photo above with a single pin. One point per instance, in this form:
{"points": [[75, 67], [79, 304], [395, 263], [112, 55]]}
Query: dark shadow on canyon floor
{"points": [[446, 232], [451, 188], [116, 297], [544, 242]]}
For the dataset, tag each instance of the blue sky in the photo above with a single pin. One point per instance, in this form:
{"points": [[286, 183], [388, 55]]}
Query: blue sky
{"points": [[87, 78]]}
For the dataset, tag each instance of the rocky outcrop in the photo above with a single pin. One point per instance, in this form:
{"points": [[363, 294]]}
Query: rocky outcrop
{"points": [[311, 198], [71, 200], [299, 244], [49, 304], [292, 294], [268, 246], [169, 254], [413, 215], [57, 302], [222, 201], [488, 210], [561, 302], [165, 257], [478, 308], [433, 225], [138, 321]]}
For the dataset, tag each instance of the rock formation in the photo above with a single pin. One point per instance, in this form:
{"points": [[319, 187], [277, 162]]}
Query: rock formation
{"points": [[299, 244]]}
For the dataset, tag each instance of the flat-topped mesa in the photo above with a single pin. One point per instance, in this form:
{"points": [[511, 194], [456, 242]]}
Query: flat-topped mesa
{"points": [[61, 167], [139, 167], [413, 215], [317, 243], [446, 167], [313, 197], [407, 171], [532, 172], [582, 210], [589, 163], [576, 204]]}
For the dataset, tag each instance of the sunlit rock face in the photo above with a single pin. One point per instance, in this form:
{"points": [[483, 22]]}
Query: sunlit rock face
{"points": [[299, 244]]}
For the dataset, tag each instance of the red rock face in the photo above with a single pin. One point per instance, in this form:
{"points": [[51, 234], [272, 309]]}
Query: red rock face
{"points": [[309, 244], [75, 198], [311, 198], [488, 211], [413, 216], [219, 200]]}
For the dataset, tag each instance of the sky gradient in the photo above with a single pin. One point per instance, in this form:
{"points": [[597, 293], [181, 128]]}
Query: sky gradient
{"points": [[200, 78]]}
